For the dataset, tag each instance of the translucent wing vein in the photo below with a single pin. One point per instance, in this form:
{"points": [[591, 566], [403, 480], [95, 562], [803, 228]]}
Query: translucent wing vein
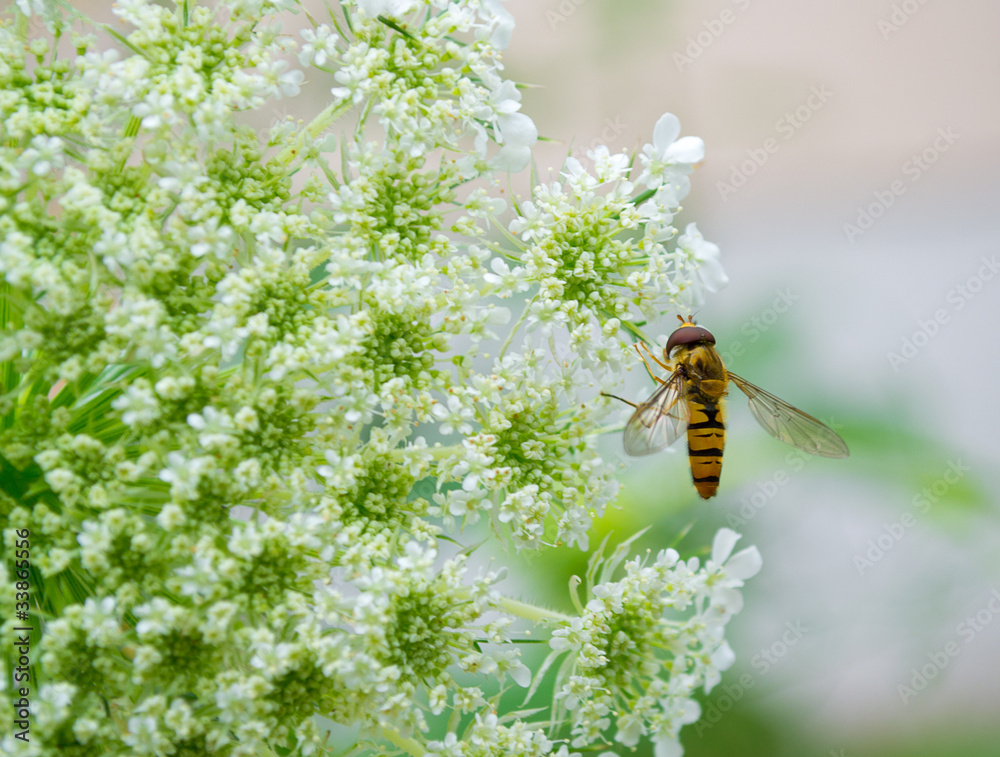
{"points": [[789, 424], [659, 421]]}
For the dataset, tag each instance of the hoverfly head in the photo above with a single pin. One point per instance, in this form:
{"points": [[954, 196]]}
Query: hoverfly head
{"points": [[688, 333]]}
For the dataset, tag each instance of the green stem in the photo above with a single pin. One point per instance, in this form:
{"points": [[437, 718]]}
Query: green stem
{"points": [[601, 430], [531, 612], [410, 746], [642, 197], [436, 453], [637, 332], [514, 330], [316, 127]]}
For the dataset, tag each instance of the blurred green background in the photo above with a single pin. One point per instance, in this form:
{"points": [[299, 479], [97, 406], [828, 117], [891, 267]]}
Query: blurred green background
{"points": [[852, 156]]}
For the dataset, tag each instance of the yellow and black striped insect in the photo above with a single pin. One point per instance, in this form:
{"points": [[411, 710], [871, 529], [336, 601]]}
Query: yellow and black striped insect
{"points": [[691, 400]]}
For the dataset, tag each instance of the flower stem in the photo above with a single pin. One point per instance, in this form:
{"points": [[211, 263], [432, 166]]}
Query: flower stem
{"points": [[410, 746], [514, 330], [637, 332], [316, 127], [531, 612], [435, 453]]}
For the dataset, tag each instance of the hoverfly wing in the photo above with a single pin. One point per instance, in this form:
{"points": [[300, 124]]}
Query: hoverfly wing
{"points": [[790, 425], [659, 421]]}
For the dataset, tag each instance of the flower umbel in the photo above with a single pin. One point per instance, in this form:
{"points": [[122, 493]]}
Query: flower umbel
{"points": [[643, 644], [263, 392]]}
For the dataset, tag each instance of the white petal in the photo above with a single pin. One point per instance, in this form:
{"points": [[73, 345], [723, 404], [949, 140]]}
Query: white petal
{"points": [[517, 129], [691, 234], [723, 657], [744, 564], [712, 678], [501, 34], [521, 675], [665, 132], [690, 713], [712, 274], [722, 545], [511, 159], [573, 167], [498, 316], [393, 8], [730, 600], [686, 150], [669, 748]]}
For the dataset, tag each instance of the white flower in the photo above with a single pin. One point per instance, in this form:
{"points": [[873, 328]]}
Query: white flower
{"points": [[156, 617], [138, 405], [700, 257], [574, 527], [390, 8], [210, 237], [501, 21], [101, 622], [721, 659], [504, 279], [532, 223], [215, 428], [455, 415], [44, 155], [320, 46], [525, 510], [736, 568], [282, 82], [578, 177], [517, 135], [183, 475], [246, 337], [416, 558], [608, 167], [728, 573], [514, 132], [669, 160], [157, 110], [666, 745]]}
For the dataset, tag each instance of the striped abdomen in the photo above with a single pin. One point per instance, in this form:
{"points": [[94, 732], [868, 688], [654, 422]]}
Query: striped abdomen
{"points": [[706, 438]]}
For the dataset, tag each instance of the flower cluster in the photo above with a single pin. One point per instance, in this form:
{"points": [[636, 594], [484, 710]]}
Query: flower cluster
{"points": [[643, 644], [256, 386], [598, 252], [529, 461]]}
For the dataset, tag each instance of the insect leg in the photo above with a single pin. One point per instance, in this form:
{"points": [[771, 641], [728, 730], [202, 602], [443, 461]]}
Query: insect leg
{"points": [[664, 366], [646, 363], [621, 399]]}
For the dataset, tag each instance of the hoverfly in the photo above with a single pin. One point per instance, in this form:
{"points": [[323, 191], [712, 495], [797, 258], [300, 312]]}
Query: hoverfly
{"points": [[691, 400]]}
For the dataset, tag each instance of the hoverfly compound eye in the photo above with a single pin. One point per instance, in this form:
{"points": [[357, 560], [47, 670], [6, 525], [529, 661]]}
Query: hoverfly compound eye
{"points": [[688, 334]]}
